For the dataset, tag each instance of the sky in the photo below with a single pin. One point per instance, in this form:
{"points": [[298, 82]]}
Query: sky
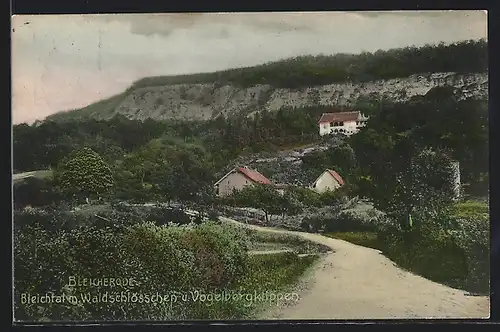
{"points": [[63, 62]]}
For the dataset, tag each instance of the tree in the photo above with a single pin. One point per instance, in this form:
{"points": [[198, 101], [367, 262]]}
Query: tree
{"points": [[438, 120], [192, 175], [84, 174], [262, 197], [335, 197], [291, 203], [34, 192], [305, 196], [417, 193]]}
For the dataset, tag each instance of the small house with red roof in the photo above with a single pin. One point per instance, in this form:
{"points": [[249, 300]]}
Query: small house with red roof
{"points": [[329, 180], [346, 123], [238, 178]]}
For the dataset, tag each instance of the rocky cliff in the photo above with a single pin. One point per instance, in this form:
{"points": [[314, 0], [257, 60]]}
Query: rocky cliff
{"points": [[206, 101]]}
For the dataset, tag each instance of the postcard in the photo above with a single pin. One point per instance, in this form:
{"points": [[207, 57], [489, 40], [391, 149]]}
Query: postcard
{"points": [[250, 166]]}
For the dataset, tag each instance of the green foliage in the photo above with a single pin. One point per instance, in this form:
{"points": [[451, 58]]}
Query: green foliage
{"points": [[304, 71], [52, 246], [472, 209], [403, 176], [450, 249], [162, 259], [43, 145], [266, 131], [399, 161], [291, 204], [299, 244], [35, 192], [304, 196], [428, 251], [336, 219], [273, 273], [365, 239], [166, 170], [338, 196], [471, 231], [84, 174], [340, 157], [263, 197], [438, 120]]}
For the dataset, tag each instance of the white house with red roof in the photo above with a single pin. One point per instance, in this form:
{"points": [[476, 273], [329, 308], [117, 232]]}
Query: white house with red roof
{"points": [[237, 179], [346, 123], [329, 180]]}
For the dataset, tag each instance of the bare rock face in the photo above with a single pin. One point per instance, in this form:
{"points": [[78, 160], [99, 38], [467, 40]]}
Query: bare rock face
{"points": [[205, 101], [395, 89]]}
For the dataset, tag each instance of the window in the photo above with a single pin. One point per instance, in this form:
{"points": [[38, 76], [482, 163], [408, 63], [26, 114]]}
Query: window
{"points": [[325, 126]]}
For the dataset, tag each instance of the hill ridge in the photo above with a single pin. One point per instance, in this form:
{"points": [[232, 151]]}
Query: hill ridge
{"points": [[339, 79]]}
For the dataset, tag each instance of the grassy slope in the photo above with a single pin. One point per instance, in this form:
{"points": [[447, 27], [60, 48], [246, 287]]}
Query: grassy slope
{"points": [[275, 274], [105, 106], [307, 71], [365, 239]]}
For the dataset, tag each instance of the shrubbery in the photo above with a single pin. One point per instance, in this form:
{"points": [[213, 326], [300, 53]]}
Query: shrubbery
{"points": [[428, 251], [35, 192], [51, 247], [145, 245], [335, 219], [450, 249]]}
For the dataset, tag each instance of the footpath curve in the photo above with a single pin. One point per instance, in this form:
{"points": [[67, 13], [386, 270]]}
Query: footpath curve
{"points": [[355, 282]]}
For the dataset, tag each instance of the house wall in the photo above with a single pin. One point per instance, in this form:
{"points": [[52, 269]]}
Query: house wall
{"points": [[234, 180], [350, 127], [326, 182], [324, 128]]}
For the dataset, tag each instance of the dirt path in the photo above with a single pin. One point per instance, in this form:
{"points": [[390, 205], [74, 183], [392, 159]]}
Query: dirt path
{"points": [[355, 282]]}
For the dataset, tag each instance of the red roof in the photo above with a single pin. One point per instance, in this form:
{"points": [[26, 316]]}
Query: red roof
{"points": [[336, 176], [254, 175], [339, 117]]}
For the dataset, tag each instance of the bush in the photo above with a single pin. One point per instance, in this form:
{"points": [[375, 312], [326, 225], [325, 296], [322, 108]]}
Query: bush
{"points": [[161, 259], [162, 216], [332, 219], [472, 235], [472, 210], [213, 215], [35, 192], [458, 257], [54, 219]]}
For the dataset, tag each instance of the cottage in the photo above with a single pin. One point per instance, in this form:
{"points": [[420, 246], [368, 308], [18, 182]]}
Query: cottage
{"points": [[328, 180], [346, 123], [237, 179]]}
